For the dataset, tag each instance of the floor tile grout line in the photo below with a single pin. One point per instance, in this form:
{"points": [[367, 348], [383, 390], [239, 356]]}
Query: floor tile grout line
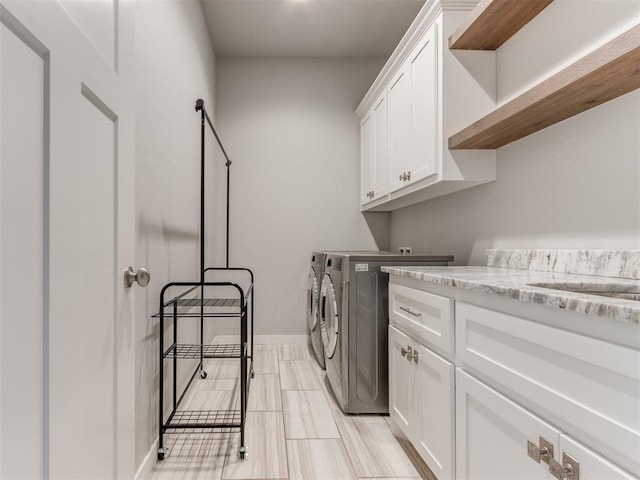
{"points": [[344, 445], [284, 426]]}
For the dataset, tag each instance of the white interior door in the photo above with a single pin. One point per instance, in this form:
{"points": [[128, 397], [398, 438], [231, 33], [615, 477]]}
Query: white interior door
{"points": [[67, 232]]}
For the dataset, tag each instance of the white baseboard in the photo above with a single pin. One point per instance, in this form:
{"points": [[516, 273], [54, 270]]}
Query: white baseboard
{"points": [[266, 339], [150, 459]]}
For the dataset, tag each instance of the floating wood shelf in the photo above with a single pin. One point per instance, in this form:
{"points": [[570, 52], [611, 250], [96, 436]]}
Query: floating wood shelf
{"points": [[602, 75], [493, 22]]}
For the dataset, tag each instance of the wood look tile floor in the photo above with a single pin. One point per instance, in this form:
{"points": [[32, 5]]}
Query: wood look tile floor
{"points": [[295, 429]]}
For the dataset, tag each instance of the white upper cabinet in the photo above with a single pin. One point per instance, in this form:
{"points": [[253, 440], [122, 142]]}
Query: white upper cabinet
{"points": [[373, 151], [413, 125], [423, 151], [380, 133], [366, 158], [399, 122], [429, 94]]}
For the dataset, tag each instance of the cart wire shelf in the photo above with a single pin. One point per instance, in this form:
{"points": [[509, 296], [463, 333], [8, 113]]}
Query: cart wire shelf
{"points": [[208, 420], [208, 302], [187, 303], [184, 350]]}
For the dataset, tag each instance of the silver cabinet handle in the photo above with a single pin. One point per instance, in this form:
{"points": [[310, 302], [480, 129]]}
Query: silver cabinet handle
{"points": [[142, 276], [569, 469], [409, 353], [541, 452], [410, 312]]}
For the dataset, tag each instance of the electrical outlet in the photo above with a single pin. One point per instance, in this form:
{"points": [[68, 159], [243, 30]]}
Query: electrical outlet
{"points": [[405, 250]]}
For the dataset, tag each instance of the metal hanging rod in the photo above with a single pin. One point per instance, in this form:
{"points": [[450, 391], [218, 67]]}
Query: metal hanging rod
{"points": [[204, 116]]}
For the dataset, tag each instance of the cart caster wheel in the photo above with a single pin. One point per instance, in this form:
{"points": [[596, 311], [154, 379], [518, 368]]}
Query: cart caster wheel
{"points": [[161, 454], [203, 374], [242, 453], [253, 374]]}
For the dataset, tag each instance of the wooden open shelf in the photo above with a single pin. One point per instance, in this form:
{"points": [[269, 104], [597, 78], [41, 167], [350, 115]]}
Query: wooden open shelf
{"points": [[493, 22], [602, 75]]}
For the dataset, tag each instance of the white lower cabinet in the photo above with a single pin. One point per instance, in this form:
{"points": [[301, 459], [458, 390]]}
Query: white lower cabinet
{"points": [[421, 400], [522, 393], [492, 434], [591, 465], [402, 383], [495, 435], [435, 420]]}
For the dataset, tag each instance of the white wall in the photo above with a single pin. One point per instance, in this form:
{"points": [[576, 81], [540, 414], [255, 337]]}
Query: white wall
{"points": [[175, 65], [572, 185], [290, 129]]}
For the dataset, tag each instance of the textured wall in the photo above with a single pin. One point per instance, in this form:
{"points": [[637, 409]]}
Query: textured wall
{"points": [[290, 128], [175, 64]]}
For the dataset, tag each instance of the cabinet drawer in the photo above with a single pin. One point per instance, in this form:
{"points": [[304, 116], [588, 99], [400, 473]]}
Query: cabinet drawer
{"points": [[588, 387], [592, 465], [426, 317]]}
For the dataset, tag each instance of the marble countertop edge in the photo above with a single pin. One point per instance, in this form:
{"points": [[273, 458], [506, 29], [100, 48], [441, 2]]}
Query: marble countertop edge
{"points": [[515, 284]]}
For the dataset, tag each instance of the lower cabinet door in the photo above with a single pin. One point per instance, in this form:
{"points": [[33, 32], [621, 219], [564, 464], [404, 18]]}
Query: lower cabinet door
{"points": [[591, 466], [435, 433], [402, 383], [492, 434]]}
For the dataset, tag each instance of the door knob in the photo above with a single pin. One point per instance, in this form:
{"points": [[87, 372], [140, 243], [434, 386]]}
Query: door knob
{"points": [[142, 276]]}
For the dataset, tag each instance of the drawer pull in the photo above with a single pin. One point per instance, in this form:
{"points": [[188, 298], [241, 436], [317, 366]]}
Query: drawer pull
{"points": [[569, 469], [541, 452], [403, 352], [408, 310]]}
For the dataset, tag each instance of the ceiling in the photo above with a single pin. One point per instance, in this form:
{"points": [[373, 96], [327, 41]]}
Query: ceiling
{"points": [[308, 28]]}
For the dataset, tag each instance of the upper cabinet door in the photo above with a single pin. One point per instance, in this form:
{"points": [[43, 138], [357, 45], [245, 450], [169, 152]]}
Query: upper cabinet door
{"points": [[380, 147], [423, 68], [399, 112], [366, 157]]}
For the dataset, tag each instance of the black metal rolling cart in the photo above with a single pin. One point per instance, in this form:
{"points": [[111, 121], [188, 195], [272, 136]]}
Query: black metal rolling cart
{"points": [[210, 299]]}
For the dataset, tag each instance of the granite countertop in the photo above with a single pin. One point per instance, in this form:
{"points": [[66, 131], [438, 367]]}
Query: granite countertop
{"points": [[501, 278]]}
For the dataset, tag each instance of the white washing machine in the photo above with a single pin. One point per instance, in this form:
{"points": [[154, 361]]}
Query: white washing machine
{"points": [[354, 319], [313, 295]]}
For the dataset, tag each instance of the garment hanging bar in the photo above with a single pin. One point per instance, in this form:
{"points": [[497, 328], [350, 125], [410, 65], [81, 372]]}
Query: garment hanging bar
{"points": [[205, 116], [199, 107]]}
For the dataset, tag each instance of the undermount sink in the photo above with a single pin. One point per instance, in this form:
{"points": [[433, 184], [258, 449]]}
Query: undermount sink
{"points": [[625, 292]]}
